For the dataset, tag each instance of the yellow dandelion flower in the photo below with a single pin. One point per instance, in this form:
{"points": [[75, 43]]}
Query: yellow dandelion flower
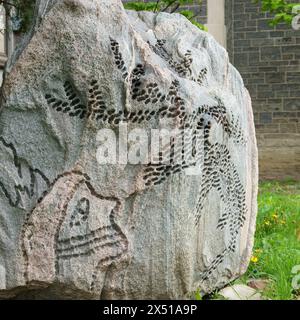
{"points": [[254, 259], [275, 216]]}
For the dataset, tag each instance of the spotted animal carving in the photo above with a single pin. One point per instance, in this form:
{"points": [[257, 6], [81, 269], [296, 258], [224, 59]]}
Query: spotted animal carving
{"points": [[218, 169]]}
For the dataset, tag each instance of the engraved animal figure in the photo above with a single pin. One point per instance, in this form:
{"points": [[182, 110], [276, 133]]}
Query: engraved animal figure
{"points": [[73, 234], [20, 183]]}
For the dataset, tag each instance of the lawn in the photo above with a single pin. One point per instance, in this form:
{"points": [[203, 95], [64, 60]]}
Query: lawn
{"points": [[277, 240], [276, 252]]}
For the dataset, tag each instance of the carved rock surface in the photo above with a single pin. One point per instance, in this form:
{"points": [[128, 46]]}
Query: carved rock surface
{"points": [[71, 227]]}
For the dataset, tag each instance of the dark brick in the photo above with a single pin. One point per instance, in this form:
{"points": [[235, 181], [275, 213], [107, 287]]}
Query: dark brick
{"points": [[239, 24], [291, 49], [294, 94], [241, 59], [263, 24], [292, 105], [248, 30], [282, 26], [288, 128], [275, 77], [239, 35], [257, 81], [268, 69], [284, 114], [251, 23], [258, 15], [265, 117], [272, 106], [253, 58], [262, 42], [282, 94], [250, 49], [276, 34], [293, 77], [241, 43], [267, 128], [284, 63], [251, 9], [288, 56], [256, 35], [243, 16], [270, 53], [285, 41], [286, 86], [265, 94]]}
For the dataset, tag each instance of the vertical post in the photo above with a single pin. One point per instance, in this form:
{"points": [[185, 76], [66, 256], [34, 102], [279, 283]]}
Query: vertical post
{"points": [[2, 41], [41, 8], [9, 37], [216, 20]]}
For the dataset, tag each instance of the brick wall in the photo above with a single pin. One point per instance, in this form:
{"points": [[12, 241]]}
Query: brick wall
{"points": [[201, 12], [269, 60]]}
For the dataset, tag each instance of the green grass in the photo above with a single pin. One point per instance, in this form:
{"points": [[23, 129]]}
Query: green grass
{"points": [[277, 239]]}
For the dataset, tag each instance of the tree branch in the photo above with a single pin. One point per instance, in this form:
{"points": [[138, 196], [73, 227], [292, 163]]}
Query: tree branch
{"points": [[175, 8], [168, 6], [156, 7], [7, 3]]}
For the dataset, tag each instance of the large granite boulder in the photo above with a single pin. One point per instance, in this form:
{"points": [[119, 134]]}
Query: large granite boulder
{"points": [[162, 226]]}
